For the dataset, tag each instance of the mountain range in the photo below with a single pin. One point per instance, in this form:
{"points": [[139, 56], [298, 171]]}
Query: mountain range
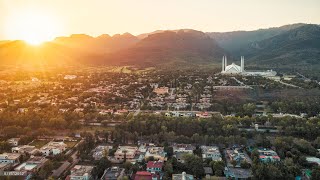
{"points": [[289, 45]]}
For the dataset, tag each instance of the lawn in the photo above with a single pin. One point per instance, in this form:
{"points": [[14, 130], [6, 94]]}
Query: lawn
{"points": [[92, 129], [39, 143], [70, 144]]}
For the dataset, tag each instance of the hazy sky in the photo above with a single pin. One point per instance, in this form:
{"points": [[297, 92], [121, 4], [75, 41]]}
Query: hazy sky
{"points": [[97, 17]]}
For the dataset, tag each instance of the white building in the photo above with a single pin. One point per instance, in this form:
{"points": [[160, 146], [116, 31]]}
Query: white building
{"points": [[233, 69], [25, 149], [80, 172], [9, 158], [53, 148], [211, 152]]}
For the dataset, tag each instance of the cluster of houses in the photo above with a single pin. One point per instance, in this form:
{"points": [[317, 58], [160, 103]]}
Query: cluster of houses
{"points": [[38, 157]]}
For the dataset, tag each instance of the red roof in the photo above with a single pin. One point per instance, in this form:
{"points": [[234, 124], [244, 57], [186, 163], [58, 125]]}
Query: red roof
{"points": [[143, 175], [155, 164]]}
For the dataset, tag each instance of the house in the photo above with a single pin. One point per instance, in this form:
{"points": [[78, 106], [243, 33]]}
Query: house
{"points": [[161, 90], [157, 153], [211, 152], [145, 175], [113, 173], [268, 155], [182, 176], [237, 155], [80, 172], [53, 148], [100, 151], [9, 158], [13, 141], [237, 173], [128, 151], [25, 149], [154, 166], [33, 164], [181, 150], [313, 160]]}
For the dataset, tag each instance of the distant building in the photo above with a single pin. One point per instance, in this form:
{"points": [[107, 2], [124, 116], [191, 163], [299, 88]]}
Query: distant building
{"points": [[70, 77], [80, 172], [53, 148], [313, 160], [143, 175], [211, 152], [157, 153], [237, 155], [25, 149], [161, 90], [181, 150], [113, 173], [154, 166], [128, 151], [9, 158], [100, 151], [235, 69], [13, 141], [268, 155], [182, 176], [33, 164], [237, 173]]}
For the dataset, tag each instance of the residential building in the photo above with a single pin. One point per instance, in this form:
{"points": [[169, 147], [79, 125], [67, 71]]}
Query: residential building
{"points": [[80, 172], [161, 90], [211, 152], [182, 176], [237, 155], [237, 173], [53, 148], [145, 175], [13, 141], [100, 151], [25, 149], [9, 158], [157, 153], [181, 150], [154, 166], [33, 164], [113, 173], [128, 151], [313, 160], [188, 148], [268, 155]]}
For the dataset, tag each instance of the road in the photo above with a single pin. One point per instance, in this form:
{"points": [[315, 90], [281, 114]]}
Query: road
{"points": [[58, 172]]}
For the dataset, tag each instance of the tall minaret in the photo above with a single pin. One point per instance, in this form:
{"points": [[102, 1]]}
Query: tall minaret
{"points": [[225, 62], [242, 63], [222, 63]]}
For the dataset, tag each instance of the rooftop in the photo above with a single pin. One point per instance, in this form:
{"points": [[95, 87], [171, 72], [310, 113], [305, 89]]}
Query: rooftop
{"points": [[80, 170], [113, 173]]}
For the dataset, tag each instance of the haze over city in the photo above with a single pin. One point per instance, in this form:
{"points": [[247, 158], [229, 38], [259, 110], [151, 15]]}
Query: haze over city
{"points": [[62, 18], [160, 89]]}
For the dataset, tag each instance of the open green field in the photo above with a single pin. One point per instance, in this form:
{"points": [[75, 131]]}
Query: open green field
{"points": [[39, 143], [92, 129]]}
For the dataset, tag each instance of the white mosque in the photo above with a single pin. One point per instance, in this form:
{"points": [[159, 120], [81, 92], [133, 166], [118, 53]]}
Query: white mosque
{"points": [[235, 69]]}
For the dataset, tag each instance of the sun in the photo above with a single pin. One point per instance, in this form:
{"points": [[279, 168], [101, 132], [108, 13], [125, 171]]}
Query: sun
{"points": [[32, 27]]}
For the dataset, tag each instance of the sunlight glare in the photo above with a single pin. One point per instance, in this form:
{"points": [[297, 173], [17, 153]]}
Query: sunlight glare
{"points": [[32, 27]]}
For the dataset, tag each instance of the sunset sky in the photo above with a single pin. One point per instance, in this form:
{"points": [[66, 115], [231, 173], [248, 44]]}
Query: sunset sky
{"points": [[95, 17]]}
